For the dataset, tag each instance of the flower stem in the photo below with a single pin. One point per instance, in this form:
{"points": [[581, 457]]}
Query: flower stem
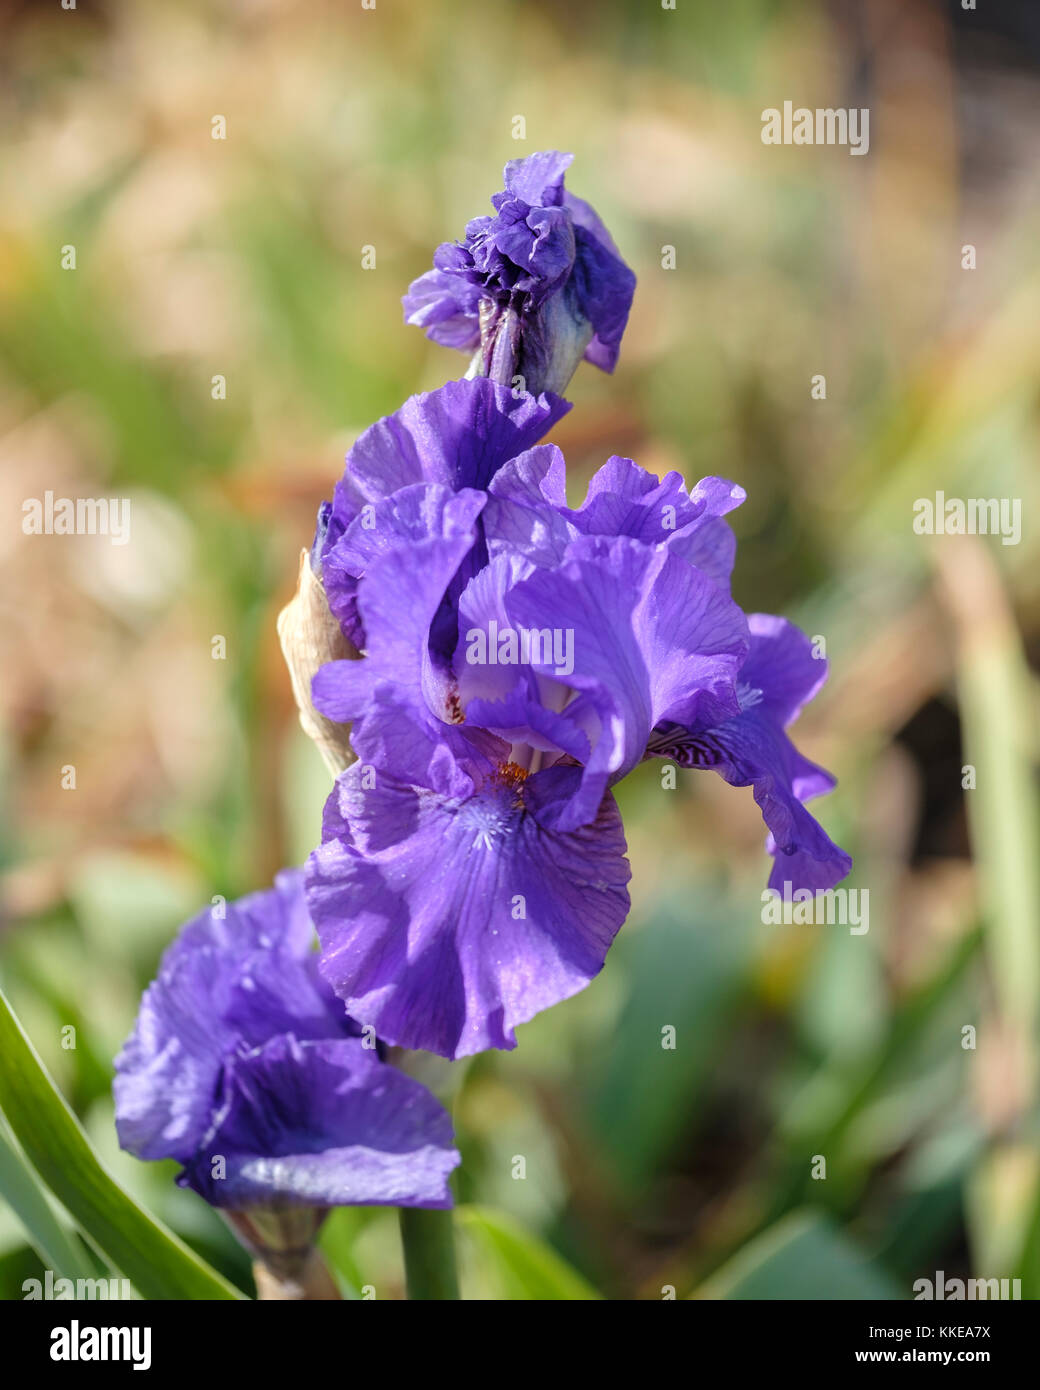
{"points": [[429, 1253], [314, 1282]]}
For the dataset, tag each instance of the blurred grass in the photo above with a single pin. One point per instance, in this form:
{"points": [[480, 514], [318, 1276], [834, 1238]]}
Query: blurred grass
{"points": [[646, 1168]]}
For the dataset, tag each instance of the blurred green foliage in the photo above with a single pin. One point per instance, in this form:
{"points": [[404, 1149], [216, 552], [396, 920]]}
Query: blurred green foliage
{"points": [[648, 1169]]}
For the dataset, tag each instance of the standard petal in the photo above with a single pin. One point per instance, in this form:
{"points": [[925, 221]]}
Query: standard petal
{"points": [[526, 512], [459, 435], [625, 500], [398, 599], [540, 243], [652, 638], [708, 542], [394, 526], [538, 179], [482, 615]]}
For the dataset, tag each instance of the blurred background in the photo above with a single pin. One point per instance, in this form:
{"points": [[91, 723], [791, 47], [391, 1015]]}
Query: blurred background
{"points": [[647, 1170]]}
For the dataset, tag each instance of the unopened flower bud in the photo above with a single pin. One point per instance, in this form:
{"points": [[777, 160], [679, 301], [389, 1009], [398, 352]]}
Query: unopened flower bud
{"points": [[310, 637]]}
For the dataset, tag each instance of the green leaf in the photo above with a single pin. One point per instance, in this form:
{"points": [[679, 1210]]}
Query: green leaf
{"points": [[686, 969], [27, 1198], [1004, 808], [339, 1235], [997, 701], [526, 1267], [803, 1257], [152, 1258]]}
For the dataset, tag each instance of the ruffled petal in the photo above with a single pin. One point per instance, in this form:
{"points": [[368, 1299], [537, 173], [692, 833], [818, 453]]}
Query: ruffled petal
{"points": [[323, 1124], [625, 500], [398, 596], [236, 975], [540, 242], [603, 286], [393, 526], [526, 512], [448, 921], [653, 639], [169, 1069], [447, 306], [459, 435], [538, 179]]}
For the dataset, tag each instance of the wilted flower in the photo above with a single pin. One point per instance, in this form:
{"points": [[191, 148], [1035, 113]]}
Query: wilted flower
{"points": [[532, 289], [244, 1067]]}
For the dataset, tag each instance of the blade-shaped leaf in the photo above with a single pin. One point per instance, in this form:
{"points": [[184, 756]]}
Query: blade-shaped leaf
{"points": [[152, 1258], [686, 970], [23, 1192], [526, 1267], [804, 1258]]}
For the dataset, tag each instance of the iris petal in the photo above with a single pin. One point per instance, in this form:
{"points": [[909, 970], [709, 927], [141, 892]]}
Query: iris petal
{"points": [[448, 921]]}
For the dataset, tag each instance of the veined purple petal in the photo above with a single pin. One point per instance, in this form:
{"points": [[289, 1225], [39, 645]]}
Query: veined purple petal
{"points": [[237, 974], [538, 179], [782, 665], [447, 306], [459, 435], [245, 1066], [625, 500], [449, 921], [779, 676], [653, 639], [398, 597], [527, 511], [323, 1124], [540, 241], [603, 288], [396, 524], [516, 701]]}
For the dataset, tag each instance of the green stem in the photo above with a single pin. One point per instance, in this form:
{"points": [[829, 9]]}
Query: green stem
{"points": [[429, 1253]]}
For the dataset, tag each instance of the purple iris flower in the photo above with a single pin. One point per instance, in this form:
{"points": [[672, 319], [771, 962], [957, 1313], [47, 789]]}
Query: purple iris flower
{"points": [[245, 1068], [532, 289], [521, 658]]}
